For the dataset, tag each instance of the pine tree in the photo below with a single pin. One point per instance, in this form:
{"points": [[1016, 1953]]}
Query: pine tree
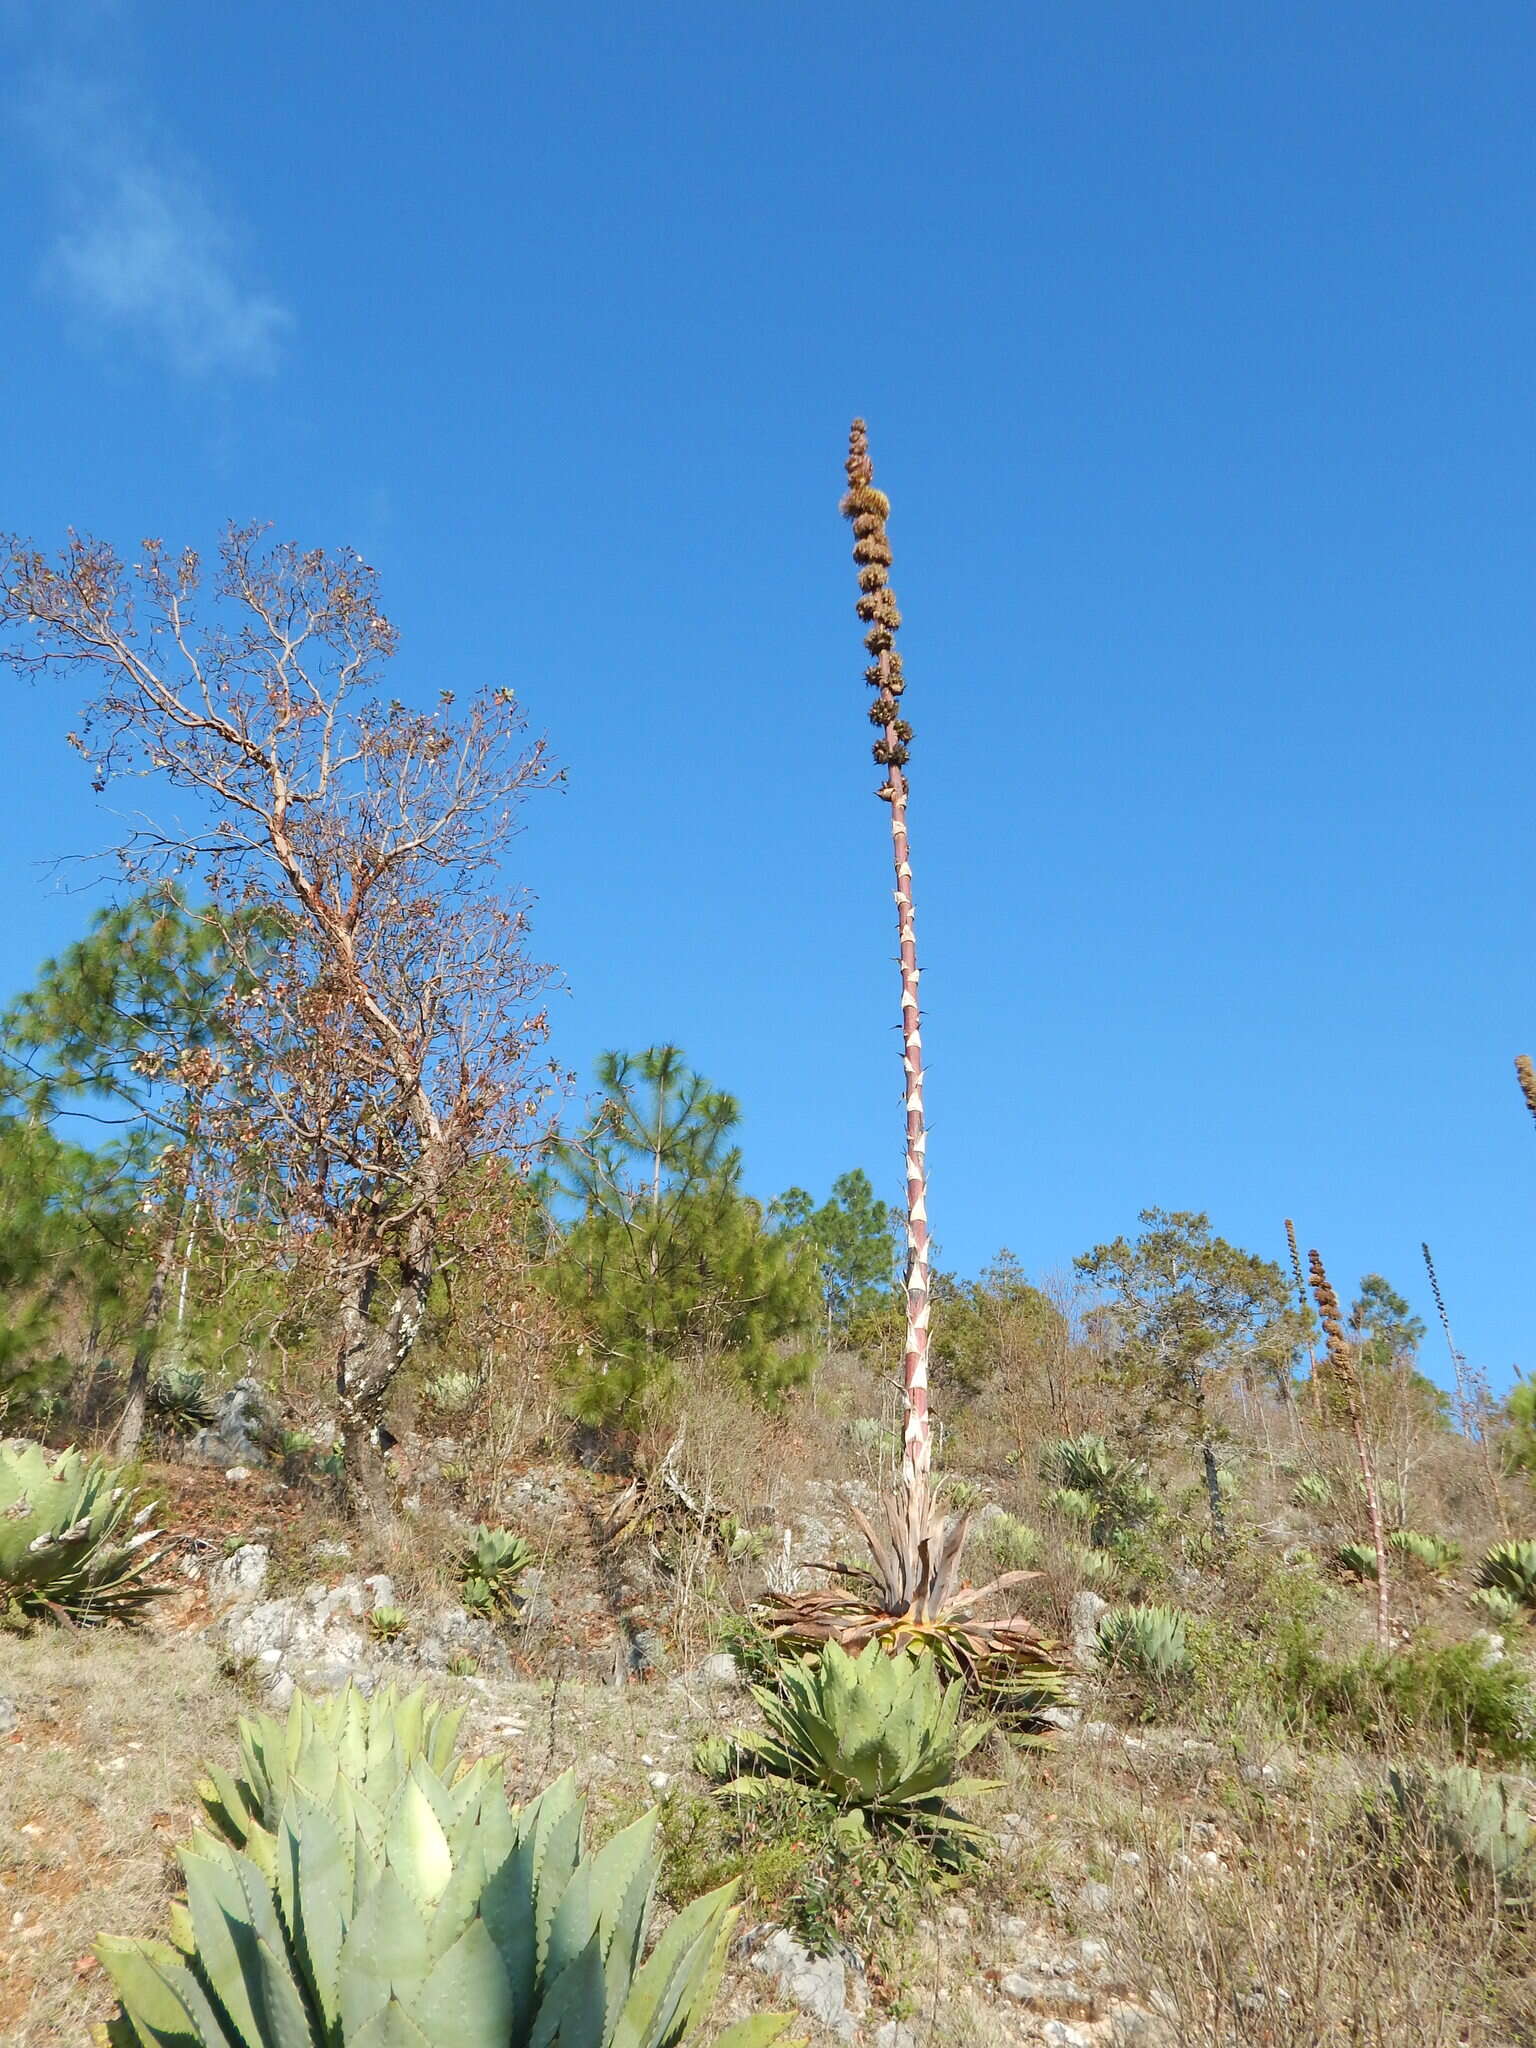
{"points": [[666, 1258]]}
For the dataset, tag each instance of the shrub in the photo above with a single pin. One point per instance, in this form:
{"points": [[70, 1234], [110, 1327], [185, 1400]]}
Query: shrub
{"points": [[1501, 1608], [1358, 1560], [441, 1918], [1311, 1491], [452, 1392], [72, 1540], [1451, 1695], [370, 1742], [1009, 1545], [1083, 1468]]}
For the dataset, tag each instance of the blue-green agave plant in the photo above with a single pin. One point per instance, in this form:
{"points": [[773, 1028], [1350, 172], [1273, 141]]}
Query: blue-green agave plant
{"points": [[380, 1901]]}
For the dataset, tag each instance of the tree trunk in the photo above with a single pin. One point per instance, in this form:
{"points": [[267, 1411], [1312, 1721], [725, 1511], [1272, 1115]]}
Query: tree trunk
{"points": [[1213, 1492], [130, 1426], [370, 1354]]}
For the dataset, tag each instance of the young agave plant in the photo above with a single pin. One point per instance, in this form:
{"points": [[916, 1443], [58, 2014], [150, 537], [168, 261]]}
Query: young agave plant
{"points": [[73, 1542], [1481, 1823], [1152, 1641], [1311, 1491], [440, 1917], [1501, 1608], [1511, 1568], [179, 1396], [491, 1566], [1432, 1554], [1358, 1559], [876, 1733]]}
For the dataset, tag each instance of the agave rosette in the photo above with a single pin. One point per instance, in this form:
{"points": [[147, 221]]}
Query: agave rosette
{"points": [[419, 1912], [876, 1732], [73, 1540]]}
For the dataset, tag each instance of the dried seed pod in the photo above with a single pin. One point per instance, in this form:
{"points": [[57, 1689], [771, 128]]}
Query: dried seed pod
{"points": [[876, 548], [871, 578]]}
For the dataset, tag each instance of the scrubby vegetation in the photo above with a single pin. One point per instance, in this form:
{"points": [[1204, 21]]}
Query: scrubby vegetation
{"points": [[1179, 1687]]}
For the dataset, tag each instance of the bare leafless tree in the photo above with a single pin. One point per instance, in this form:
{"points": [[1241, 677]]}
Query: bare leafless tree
{"points": [[351, 846]]}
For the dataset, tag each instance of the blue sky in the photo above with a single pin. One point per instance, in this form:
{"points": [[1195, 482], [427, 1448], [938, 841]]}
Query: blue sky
{"points": [[1198, 347]]}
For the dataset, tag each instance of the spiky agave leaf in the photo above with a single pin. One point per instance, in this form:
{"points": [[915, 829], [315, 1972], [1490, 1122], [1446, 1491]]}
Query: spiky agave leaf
{"points": [[439, 1918], [1357, 1559], [1498, 1606], [179, 1396], [351, 1747], [72, 1538]]}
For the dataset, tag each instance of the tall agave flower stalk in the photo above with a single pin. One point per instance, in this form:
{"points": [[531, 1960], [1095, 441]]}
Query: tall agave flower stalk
{"points": [[1342, 1370], [913, 1594], [1525, 1074], [868, 510], [1470, 1398]]}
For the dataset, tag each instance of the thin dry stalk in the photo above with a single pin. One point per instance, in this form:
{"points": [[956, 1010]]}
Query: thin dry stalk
{"points": [[1342, 1371], [1468, 1406]]}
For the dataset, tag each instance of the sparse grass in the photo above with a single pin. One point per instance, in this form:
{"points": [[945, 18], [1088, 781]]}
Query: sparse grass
{"points": [[96, 1784]]}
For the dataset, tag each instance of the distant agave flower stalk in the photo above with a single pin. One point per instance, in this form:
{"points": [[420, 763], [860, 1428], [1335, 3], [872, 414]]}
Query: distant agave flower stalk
{"points": [[1471, 1397], [1525, 1074], [868, 510], [1342, 1369], [1305, 1306]]}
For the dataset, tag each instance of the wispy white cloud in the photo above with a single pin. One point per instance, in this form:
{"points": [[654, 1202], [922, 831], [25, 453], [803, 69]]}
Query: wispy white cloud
{"points": [[140, 249]]}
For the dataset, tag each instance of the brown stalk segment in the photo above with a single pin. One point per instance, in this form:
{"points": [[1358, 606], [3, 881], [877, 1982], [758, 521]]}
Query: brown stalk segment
{"points": [[1341, 1364], [1525, 1074], [868, 508]]}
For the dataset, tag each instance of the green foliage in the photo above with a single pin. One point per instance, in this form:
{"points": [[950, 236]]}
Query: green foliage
{"points": [[72, 1539], [1432, 1554], [1519, 1446], [852, 1237], [1311, 1491], [666, 1258], [415, 1908], [1098, 1567], [452, 1392], [997, 1325], [879, 1734], [388, 1624], [367, 1744], [1451, 1695], [1499, 1607], [1479, 1825], [490, 1568], [179, 1396], [1152, 1643], [1096, 1489], [1511, 1568], [799, 1864], [1007, 1544], [1356, 1559]]}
